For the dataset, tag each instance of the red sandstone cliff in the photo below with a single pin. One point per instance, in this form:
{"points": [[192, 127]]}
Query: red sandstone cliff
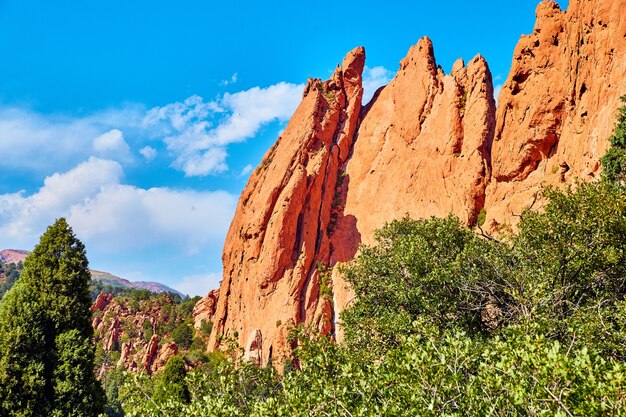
{"points": [[557, 107], [282, 226], [428, 144]]}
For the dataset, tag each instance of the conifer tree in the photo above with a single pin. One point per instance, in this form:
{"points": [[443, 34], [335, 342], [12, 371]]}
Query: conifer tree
{"points": [[172, 385], [46, 348]]}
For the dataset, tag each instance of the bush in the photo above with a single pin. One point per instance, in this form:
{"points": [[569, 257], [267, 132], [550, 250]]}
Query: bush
{"points": [[614, 161], [183, 335]]}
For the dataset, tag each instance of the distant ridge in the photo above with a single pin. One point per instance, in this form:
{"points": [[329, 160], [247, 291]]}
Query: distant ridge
{"points": [[13, 256], [115, 281], [16, 255]]}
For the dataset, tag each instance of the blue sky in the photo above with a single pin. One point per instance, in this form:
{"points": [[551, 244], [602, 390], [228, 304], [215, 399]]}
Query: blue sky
{"points": [[140, 121]]}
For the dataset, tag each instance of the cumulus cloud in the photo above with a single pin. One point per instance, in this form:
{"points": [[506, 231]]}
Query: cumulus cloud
{"points": [[197, 132], [148, 152], [112, 144], [110, 216], [30, 141], [373, 78]]}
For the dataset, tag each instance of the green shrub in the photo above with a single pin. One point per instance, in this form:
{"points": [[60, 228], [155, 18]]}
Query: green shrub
{"points": [[614, 161], [183, 335]]}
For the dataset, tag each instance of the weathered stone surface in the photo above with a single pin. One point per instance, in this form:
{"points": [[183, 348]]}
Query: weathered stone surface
{"points": [[557, 107], [205, 308], [150, 353], [428, 144], [282, 226], [119, 327], [102, 300], [254, 349], [424, 145], [165, 352]]}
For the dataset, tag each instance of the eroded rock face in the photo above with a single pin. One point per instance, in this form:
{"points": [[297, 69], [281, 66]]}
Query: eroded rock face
{"points": [[102, 300], [310, 203], [150, 353], [254, 349], [424, 145], [282, 226], [166, 351], [205, 308], [557, 107], [132, 333], [428, 144]]}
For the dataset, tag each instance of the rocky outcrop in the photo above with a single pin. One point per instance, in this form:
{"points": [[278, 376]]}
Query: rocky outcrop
{"points": [[282, 226], [428, 144], [254, 349], [135, 331], [166, 351], [9, 256], [150, 353], [423, 148], [102, 301], [557, 107], [205, 309]]}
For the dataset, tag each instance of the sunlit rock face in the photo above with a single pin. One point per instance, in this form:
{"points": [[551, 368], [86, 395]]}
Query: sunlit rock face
{"points": [[428, 144]]}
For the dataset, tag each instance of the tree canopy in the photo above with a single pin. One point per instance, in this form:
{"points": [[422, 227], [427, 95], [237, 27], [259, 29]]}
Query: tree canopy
{"points": [[46, 349]]}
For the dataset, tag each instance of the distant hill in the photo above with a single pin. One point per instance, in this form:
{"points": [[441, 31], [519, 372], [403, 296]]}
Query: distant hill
{"points": [[13, 256], [114, 281], [8, 256]]}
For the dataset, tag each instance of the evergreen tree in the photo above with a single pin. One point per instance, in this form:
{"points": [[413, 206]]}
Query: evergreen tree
{"points": [[46, 349], [614, 161], [172, 385]]}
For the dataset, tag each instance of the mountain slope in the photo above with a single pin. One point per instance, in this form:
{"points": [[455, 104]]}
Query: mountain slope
{"points": [[8, 256]]}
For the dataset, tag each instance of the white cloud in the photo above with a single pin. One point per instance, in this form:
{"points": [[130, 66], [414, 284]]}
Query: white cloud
{"points": [[496, 92], [148, 152], [197, 132], [199, 284], [23, 218], [232, 80], [373, 78], [30, 141], [112, 217], [246, 171], [112, 144]]}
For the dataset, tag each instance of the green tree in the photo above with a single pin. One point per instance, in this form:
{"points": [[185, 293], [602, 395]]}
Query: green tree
{"points": [[614, 161], [46, 349], [172, 384], [183, 335]]}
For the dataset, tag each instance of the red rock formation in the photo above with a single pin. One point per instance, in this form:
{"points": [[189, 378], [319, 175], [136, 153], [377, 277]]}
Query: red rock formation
{"points": [[151, 353], [423, 147], [254, 349], [101, 302], [428, 144], [120, 327], [112, 341], [165, 353], [557, 107], [205, 308], [281, 230]]}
